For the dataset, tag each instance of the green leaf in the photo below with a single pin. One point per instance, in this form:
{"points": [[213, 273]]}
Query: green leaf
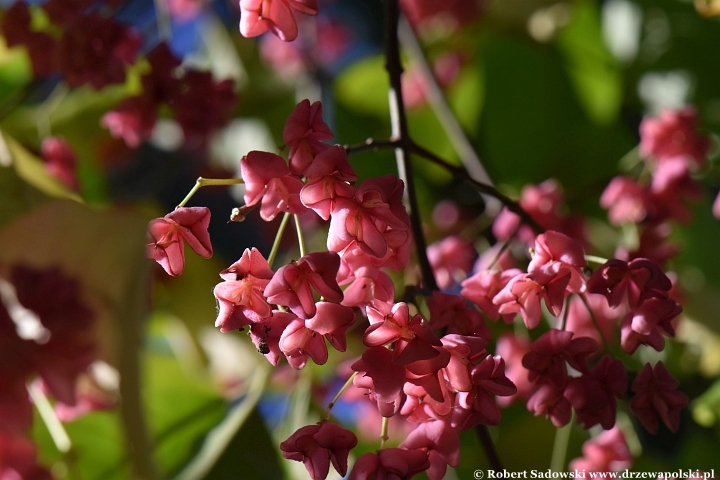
{"points": [[364, 86]]}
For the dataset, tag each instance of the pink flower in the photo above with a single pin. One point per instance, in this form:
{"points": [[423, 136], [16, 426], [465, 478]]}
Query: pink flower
{"points": [[546, 360], [383, 379], [168, 236], [259, 16], [390, 464], [478, 407], [523, 292], [266, 334], [584, 316], [512, 349], [555, 254], [654, 245], [451, 259], [442, 443], [608, 452], [548, 400], [97, 50], [593, 395], [656, 394], [451, 312], [626, 201], [240, 296], [670, 189], [482, 287], [413, 337], [319, 445], [648, 324], [304, 133], [673, 133], [327, 179], [132, 120], [60, 161], [268, 179], [376, 208], [292, 284]]}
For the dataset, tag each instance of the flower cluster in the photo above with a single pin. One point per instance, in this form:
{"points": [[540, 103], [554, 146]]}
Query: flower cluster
{"points": [[428, 361]]}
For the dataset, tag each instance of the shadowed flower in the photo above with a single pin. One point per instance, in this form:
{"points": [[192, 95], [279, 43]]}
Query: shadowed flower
{"points": [[305, 131], [319, 445], [656, 394]]}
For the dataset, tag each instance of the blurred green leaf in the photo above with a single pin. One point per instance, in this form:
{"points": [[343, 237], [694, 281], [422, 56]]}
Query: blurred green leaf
{"points": [[364, 86]]}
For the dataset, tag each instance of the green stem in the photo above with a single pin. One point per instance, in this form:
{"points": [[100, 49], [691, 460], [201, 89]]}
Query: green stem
{"points": [[384, 432], [562, 438], [278, 237], [207, 182], [339, 394], [301, 239], [596, 259]]}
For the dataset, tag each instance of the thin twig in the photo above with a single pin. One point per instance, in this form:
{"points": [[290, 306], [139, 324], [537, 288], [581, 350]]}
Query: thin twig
{"points": [[460, 172], [489, 446], [371, 144], [465, 150], [401, 133]]}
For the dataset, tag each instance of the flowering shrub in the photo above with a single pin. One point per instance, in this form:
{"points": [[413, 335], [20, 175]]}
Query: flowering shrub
{"points": [[547, 300]]}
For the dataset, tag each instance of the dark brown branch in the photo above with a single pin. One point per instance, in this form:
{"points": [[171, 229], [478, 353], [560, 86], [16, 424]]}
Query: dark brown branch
{"points": [[487, 443], [401, 134], [371, 144]]}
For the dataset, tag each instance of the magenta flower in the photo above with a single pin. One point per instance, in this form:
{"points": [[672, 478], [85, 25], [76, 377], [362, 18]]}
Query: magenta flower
{"points": [[168, 235], [593, 395], [293, 284], [240, 297], [97, 50], [305, 131], [259, 16], [629, 283], [268, 180], [319, 445], [671, 134], [451, 312], [671, 188], [390, 464], [299, 343], [465, 351], [327, 179], [656, 394]]}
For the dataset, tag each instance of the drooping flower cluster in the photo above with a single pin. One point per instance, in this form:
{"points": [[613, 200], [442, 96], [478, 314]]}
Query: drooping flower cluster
{"points": [[199, 103], [92, 49], [434, 371]]}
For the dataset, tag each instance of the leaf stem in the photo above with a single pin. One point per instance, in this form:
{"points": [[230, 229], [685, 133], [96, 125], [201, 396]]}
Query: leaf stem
{"points": [[278, 237], [52, 422], [596, 259], [383, 432], [207, 182]]}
